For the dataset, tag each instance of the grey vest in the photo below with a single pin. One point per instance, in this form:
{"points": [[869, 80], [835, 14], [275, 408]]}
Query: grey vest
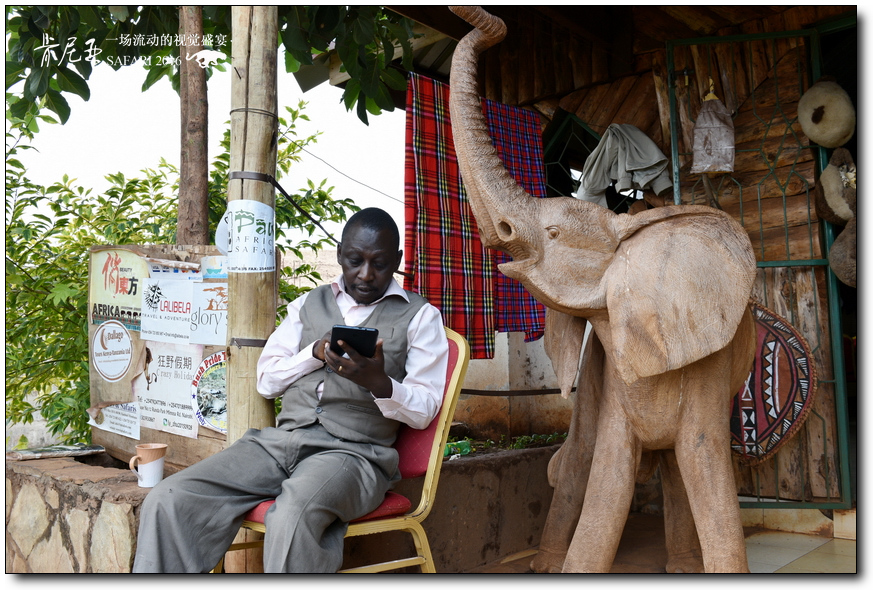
{"points": [[347, 410]]}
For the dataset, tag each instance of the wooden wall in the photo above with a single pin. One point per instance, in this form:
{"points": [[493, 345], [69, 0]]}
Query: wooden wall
{"points": [[806, 468]]}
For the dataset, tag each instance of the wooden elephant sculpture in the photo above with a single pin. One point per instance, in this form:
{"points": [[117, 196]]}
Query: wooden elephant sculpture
{"points": [[666, 292], [570, 466]]}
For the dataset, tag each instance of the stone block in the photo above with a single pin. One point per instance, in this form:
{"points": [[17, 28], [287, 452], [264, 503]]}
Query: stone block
{"points": [[29, 519], [113, 539]]}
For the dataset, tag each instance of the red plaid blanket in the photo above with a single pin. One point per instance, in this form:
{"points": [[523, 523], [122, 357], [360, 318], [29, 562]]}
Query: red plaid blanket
{"points": [[443, 253]]}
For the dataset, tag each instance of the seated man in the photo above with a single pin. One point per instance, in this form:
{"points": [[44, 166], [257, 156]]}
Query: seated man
{"points": [[329, 459]]}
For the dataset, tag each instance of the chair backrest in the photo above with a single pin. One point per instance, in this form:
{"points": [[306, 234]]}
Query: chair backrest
{"points": [[421, 451]]}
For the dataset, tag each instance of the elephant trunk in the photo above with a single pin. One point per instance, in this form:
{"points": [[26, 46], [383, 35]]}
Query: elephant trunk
{"points": [[495, 197]]}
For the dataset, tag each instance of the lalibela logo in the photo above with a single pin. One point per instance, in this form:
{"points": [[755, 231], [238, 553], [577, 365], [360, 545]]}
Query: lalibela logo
{"points": [[153, 297]]}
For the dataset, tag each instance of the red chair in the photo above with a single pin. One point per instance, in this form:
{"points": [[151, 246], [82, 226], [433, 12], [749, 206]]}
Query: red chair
{"points": [[421, 454]]}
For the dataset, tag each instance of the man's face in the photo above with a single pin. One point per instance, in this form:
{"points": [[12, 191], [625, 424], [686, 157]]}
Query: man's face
{"points": [[369, 260]]}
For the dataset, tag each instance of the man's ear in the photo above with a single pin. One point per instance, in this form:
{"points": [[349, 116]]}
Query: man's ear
{"points": [[399, 260], [339, 251]]}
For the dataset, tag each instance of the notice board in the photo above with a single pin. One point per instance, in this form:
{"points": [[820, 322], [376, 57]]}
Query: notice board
{"points": [[157, 325]]}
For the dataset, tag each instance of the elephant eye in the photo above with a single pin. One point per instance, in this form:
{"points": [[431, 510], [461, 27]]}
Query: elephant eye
{"points": [[554, 232]]}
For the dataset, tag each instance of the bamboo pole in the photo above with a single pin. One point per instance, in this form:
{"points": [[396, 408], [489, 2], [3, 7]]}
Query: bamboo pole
{"points": [[253, 133]]}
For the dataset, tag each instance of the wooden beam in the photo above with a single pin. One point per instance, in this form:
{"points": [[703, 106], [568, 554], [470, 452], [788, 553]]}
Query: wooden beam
{"points": [[428, 37], [439, 18]]}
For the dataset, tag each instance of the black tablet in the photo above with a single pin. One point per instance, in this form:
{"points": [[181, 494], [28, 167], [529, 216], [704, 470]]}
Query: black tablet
{"points": [[361, 339]]}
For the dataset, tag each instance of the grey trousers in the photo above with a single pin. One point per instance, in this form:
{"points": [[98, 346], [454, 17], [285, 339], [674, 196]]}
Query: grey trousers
{"points": [[320, 483]]}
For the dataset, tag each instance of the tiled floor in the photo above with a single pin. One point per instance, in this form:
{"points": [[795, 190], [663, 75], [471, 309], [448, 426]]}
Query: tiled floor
{"points": [[784, 553], [642, 551]]}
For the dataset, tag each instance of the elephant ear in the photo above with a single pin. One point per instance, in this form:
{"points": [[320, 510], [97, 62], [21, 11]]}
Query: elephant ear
{"points": [[677, 288], [563, 344]]}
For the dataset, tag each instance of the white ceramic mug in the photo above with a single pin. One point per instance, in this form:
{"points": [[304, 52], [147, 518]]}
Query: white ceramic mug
{"points": [[151, 463]]}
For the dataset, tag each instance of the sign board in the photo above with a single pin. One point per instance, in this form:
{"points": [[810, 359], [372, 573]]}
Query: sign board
{"points": [[155, 315]]}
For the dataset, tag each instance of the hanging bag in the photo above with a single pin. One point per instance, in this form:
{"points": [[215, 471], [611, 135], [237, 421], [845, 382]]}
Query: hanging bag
{"points": [[713, 149]]}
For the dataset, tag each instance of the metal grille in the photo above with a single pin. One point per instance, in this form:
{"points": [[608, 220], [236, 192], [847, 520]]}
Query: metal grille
{"points": [[760, 78]]}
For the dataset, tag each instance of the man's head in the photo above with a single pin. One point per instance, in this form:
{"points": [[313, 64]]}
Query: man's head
{"points": [[369, 254]]}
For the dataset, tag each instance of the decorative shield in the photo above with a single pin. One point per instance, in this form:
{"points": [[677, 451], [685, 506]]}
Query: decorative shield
{"points": [[777, 396]]}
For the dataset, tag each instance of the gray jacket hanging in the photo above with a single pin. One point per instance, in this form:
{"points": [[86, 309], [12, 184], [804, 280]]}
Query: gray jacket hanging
{"points": [[627, 156]]}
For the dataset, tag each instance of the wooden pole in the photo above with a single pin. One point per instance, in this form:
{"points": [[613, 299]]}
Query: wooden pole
{"points": [[192, 228], [251, 295], [253, 138]]}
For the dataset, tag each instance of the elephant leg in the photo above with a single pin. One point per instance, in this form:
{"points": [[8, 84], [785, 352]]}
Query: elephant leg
{"points": [[703, 454], [683, 547], [608, 497], [569, 468]]}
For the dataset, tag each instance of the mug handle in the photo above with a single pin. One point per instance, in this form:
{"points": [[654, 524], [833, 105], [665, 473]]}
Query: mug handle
{"points": [[132, 468]]}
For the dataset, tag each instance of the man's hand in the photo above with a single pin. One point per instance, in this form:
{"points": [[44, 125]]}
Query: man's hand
{"points": [[369, 373], [319, 347]]}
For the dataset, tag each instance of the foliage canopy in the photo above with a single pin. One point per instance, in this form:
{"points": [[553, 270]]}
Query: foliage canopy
{"points": [[51, 50]]}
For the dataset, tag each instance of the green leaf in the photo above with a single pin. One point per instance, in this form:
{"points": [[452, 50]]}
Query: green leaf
{"points": [[70, 81], [373, 107], [37, 83], [83, 66], [57, 103], [370, 77], [291, 63], [19, 109], [387, 49], [90, 16], [155, 74], [362, 109], [41, 16], [351, 93], [14, 73], [61, 292], [393, 79], [326, 20], [364, 26]]}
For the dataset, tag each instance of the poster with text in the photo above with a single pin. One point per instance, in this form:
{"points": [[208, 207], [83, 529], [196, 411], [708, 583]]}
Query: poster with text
{"points": [[116, 356], [209, 392], [249, 227], [115, 287], [166, 310], [173, 269], [209, 313], [120, 419], [163, 391]]}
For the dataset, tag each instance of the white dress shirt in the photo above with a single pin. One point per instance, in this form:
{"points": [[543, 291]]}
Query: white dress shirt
{"points": [[415, 401]]}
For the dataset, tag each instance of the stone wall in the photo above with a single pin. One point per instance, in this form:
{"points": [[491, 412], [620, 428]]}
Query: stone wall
{"points": [[81, 516], [66, 516]]}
